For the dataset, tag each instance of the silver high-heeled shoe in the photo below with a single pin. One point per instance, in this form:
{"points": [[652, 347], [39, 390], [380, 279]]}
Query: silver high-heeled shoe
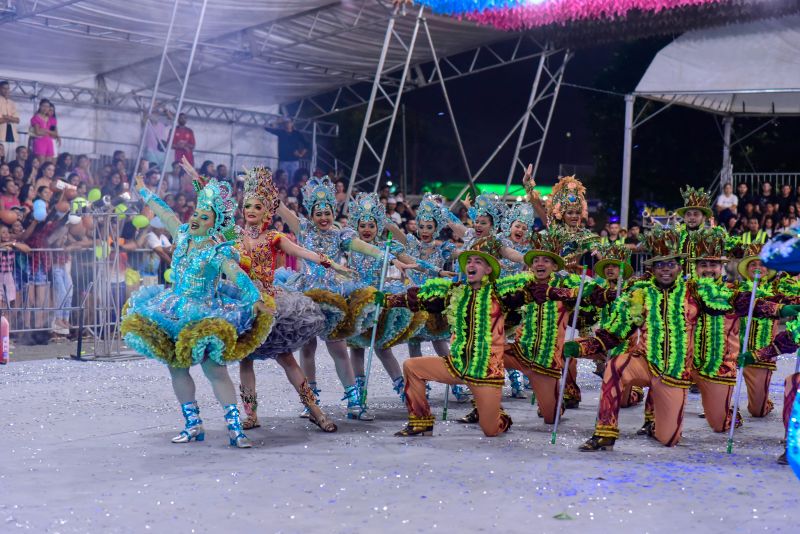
{"points": [[194, 425]]}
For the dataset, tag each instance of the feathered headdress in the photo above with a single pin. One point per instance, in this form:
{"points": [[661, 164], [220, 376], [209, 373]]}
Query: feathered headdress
{"points": [[520, 211], [367, 206], [695, 199], [710, 244], [614, 254], [319, 191], [431, 210], [568, 193], [548, 243], [217, 196], [662, 242], [258, 185], [490, 205]]}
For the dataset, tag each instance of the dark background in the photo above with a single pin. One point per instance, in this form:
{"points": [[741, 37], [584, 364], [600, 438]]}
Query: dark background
{"points": [[680, 146]]}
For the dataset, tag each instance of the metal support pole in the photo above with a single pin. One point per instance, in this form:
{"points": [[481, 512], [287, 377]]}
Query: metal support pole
{"points": [[727, 171], [155, 89], [626, 161], [404, 182], [438, 67], [168, 146], [526, 118], [371, 103], [313, 149]]}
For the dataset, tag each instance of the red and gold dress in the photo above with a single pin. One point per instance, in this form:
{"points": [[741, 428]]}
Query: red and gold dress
{"points": [[298, 319]]}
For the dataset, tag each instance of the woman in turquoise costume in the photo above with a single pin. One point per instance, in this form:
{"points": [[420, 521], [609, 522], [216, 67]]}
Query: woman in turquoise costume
{"points": [[333, 292], [202, 319], [368, 217]]}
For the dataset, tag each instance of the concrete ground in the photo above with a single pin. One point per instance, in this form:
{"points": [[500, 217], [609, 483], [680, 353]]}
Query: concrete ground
{"points": [[84, 447]]}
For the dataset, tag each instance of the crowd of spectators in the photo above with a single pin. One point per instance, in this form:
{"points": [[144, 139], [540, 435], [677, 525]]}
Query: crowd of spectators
{"points": [[757, 215]]}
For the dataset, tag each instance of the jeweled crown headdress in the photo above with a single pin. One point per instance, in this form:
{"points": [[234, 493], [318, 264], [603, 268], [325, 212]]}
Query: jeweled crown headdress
{"points": [[319, 191], [568, 193], [217, 196], [430, 209], [367, 206], [520, 211], [258, 185], [490, 205]]}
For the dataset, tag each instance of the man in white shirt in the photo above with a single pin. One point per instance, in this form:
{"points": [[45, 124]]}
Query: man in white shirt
{"points": [[726, 204], [9, 118]]}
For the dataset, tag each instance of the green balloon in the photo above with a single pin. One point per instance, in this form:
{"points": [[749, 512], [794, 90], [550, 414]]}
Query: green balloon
{"points": [[78, 204], [168, 276], [121, 209], [94, 195], [140, 221]]}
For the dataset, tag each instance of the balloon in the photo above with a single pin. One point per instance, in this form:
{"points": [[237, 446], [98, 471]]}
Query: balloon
{"points": [[94, 195], [8, 217], [121, 209], [132, 277], [39, 209], [140, 221], [168, 276], [78, 204]]}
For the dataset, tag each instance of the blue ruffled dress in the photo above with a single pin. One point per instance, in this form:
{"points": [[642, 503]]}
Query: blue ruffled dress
{"points": [[198, 293]]}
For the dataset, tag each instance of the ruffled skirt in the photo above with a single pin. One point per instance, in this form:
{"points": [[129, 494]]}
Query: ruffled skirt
{"points": [[298, 320], [182, 331]]}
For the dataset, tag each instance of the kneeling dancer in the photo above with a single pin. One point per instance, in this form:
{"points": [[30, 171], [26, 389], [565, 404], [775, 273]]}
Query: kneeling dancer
{"points": [[476, 313]]}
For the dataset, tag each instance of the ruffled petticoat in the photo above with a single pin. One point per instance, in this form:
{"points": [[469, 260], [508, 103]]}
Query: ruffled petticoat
{"points": [[298, 320], [181, 331], [395, 326], [435, 328]]}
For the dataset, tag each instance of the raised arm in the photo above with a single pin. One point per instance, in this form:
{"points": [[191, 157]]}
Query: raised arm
{"points": [[397, 233], [512, 255], [297, 251], [362, 247], [534, 199], [290, 218], [159, 207]]}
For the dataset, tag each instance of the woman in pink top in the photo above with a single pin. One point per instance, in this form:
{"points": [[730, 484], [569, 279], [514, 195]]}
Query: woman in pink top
{"points": [[9, 194], [44, 131]]}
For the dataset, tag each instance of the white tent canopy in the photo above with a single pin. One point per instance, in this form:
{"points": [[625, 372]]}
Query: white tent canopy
{"points": [[251, 52], [750, 69], [744, 69]]}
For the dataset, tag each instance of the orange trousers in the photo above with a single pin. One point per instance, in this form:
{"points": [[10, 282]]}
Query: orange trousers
{"points": [[668, 401], [418, 371], [545, 388], [757, 380], [716, 399]]}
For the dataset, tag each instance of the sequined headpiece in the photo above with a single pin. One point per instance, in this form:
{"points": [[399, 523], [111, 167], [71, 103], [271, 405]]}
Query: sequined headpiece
{"points": [[568, 193], [319, 191], [663, 243], [258, 185], [490, 205], [695, 199], [431, 210], [217, 196], [710, 243], [521, 211], [367, 206], [549, 243]]}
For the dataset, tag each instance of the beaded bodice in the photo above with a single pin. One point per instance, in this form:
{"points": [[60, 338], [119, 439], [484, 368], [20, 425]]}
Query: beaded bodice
{"points": [[258, 257], [431, 256]]}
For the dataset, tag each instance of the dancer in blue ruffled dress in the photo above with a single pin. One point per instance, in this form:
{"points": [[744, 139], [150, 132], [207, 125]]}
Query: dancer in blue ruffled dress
{"points": [[202, 319], [333, 292], [368, 217]]}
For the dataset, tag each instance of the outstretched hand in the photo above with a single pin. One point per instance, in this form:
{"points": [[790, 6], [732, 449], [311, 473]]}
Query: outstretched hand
{"points": [[188, 168], [467, 201], [138, 182], [527, 178]]}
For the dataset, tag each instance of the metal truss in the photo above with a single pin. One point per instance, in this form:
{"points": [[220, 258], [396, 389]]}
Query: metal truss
{"points": [[377, 128], [485, 57], [138, 103]]}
